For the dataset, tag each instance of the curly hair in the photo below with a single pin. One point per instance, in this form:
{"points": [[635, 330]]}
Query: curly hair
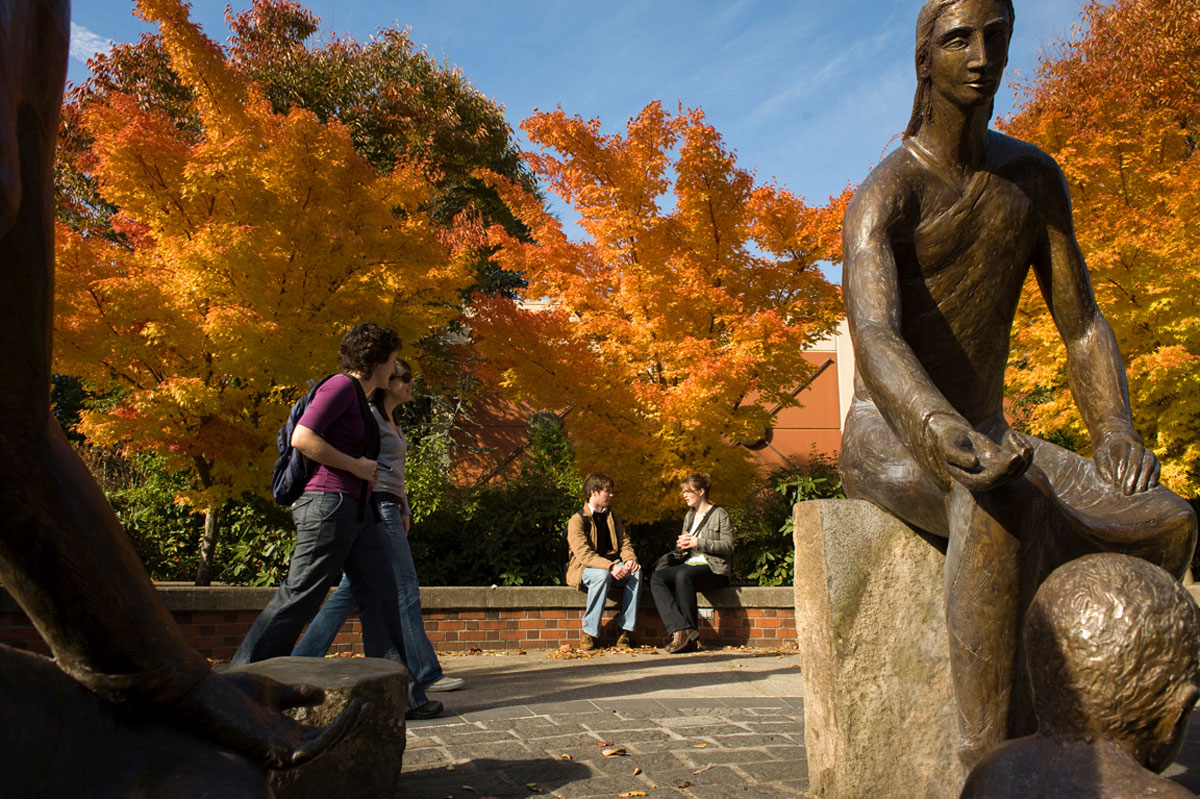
{"points": [[1109, 639], [923, 101], [366, 346]]}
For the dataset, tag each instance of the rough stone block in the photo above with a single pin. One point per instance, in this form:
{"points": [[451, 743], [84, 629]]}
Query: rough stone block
{"points": [[368, 761], [880, 717]]}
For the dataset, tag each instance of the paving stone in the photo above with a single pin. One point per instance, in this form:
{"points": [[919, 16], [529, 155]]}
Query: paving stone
{"points": [[561, 739], [772, 770], [727, 756], [420, 758], [749, 739], [637, 737], [503, 751], [473, 737]]}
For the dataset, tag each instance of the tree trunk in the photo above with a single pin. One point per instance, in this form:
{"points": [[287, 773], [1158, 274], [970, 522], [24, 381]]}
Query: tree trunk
{"points": [[208, 546]]}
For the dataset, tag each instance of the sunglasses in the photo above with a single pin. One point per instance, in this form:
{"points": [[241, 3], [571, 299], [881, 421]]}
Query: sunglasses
{"points": [[403, 378]]}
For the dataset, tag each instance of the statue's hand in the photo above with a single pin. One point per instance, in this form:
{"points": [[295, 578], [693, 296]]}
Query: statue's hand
{"points": [[972, 458], [1126, 464], [244, 712]]}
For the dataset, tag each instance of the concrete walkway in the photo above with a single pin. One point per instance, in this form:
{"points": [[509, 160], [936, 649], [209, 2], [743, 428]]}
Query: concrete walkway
{"points": [[710, 724]]}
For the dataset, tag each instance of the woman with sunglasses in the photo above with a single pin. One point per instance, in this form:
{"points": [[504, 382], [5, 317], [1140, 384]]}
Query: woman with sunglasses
{"points": [[395, 516], [700, 562]]}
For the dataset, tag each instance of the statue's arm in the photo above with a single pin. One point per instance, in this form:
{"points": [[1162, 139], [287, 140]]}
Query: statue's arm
{"points": [[932, 430], [63, 554], [1094, 367]]}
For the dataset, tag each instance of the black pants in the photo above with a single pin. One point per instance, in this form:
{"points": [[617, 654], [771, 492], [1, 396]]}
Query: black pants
{"points": [[674, 589]]}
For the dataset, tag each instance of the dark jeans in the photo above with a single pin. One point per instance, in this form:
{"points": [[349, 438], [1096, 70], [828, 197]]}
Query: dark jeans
{"points": [[330, 538], [422, 661], [674, 590]]}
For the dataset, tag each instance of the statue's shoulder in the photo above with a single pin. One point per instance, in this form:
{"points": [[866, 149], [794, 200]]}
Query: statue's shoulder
{"points": [[890, 184], [1005, 150]]}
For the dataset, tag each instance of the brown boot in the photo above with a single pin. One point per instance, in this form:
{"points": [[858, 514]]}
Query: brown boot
{"points": [[586, 643], [680, 640], [625, 640]]}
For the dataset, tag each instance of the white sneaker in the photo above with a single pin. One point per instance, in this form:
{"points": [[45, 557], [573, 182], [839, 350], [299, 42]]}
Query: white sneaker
{"points": [[446, 684]]}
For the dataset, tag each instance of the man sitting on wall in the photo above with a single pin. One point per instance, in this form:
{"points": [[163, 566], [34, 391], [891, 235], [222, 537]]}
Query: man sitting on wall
{"points": [[602, 557]]}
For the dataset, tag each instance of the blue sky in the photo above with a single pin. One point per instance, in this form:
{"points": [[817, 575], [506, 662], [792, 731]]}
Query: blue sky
{"points": [[808, 93]]}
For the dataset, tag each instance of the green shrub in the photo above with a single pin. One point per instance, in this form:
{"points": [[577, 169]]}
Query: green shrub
{"points": [[765, 552], [511, 531]]}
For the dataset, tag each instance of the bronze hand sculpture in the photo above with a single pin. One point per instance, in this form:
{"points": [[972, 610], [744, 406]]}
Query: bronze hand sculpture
{"points": [[938, 242]]}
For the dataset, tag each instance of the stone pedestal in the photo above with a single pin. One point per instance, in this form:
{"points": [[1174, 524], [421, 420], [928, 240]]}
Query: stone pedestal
{"points": [[368, 761], [879, 711]]}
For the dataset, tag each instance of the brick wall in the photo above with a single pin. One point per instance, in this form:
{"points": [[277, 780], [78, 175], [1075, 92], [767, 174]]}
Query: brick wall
{"points": [[215, 619]]}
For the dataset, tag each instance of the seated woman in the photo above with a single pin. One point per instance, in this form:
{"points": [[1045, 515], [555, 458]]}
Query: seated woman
{"points": [[391, 499], [700, 562]]}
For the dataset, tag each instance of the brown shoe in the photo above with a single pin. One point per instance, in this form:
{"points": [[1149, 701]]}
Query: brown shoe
{"points": [[624, 640], [586, 643], [681, 641]]}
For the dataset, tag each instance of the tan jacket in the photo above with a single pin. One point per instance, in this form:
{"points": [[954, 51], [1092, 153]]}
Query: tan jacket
{"points": [[583, 547]]}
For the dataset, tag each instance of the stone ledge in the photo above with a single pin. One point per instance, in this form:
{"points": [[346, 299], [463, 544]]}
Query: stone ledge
{"points": [[186, 597]]}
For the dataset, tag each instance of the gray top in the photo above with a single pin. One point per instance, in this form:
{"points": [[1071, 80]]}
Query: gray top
{"points": [[716, 538], [392, 451]]}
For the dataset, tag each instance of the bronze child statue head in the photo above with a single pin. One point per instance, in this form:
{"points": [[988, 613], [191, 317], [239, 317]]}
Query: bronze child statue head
{"points": [[1113, 646]]}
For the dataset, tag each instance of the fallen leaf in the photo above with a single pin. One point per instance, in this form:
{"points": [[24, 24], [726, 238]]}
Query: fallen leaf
{"points": [[637, 771], [618, 752], [565, 756], [533, 786], [632, 793], [603, 744], [702, 770], [700, 746], [684, 784], [468, 788]]}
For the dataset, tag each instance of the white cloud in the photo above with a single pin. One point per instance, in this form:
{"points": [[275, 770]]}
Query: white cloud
{"points": [[85, 44]]}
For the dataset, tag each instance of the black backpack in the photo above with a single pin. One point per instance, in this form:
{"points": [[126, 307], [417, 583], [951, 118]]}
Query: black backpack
{"points": [[292, 469]]}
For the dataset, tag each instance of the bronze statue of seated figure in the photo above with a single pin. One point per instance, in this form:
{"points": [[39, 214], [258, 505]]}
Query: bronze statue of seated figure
{"points": [[938, 242]]}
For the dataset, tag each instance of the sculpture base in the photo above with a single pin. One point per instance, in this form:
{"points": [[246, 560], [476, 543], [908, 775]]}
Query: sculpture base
{"points": [[368, 761], [879, 710]]}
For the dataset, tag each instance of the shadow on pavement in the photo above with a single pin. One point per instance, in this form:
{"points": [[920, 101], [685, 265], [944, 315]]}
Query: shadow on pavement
{"points": [[502, 779], [515, 680]]}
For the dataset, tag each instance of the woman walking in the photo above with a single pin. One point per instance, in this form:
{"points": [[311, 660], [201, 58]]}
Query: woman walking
{"points": [[391, 499], [700, 562]]}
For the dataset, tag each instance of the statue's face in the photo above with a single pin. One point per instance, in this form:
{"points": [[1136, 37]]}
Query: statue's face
{"points": [[969, 51]]}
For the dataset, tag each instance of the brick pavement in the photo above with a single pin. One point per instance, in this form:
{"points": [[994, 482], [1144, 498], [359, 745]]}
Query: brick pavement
{"points": [[734, 716], [704, 725]]}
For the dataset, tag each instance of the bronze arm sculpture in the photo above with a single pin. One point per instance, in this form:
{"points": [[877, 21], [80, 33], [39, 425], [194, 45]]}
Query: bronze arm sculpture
{"points": [[63, 554]]}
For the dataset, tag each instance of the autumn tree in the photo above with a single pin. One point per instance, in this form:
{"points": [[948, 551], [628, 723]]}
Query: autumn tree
{"points": [[397, 102], [1119, 108], [666, 334], [241, 243]]}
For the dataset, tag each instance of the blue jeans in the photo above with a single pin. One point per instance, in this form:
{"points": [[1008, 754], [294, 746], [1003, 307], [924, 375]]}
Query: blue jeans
{"points": [[330, 538], [598, 583], [423, 666]]}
